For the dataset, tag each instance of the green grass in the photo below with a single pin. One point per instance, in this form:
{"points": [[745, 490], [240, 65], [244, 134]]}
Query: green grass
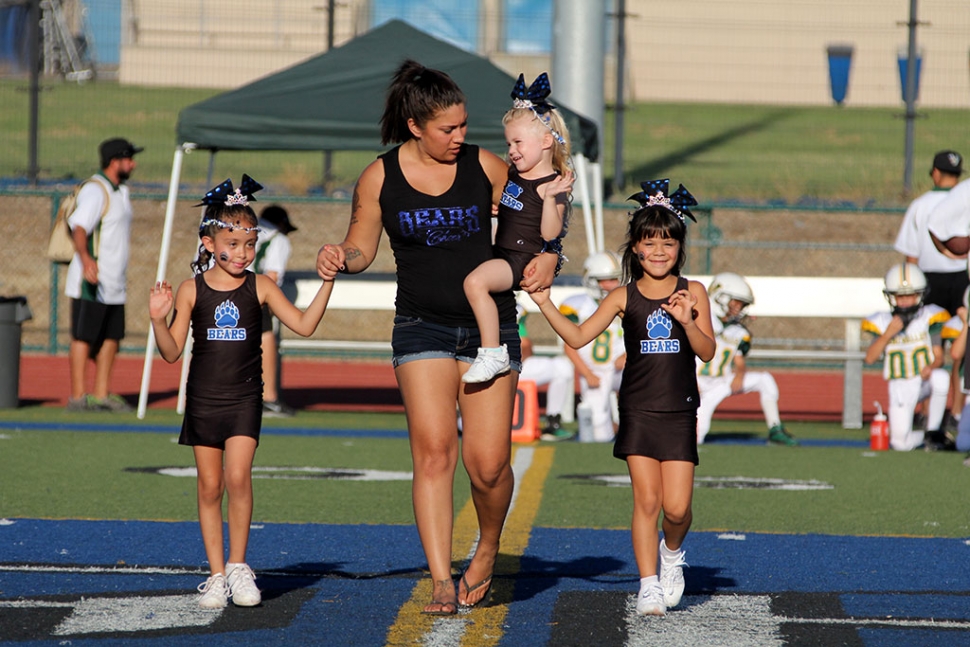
{"points": [[874, 493], [788, 153], [88, 474], [721, 152]]}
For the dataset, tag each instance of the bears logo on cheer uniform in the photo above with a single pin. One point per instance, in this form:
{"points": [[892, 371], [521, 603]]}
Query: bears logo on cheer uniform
{"points": [[227, 319], [659, 327], [510, 196]]}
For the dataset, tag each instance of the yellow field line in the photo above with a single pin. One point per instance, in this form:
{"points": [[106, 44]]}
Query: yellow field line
{"points": [[482, 627]]}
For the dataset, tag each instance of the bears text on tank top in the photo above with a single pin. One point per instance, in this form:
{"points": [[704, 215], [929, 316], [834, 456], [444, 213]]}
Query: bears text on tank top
{"points": [[438, 240]]}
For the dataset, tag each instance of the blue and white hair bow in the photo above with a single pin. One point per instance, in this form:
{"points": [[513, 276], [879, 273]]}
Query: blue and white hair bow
{"points": [[535, 96], [224, 193], [655, 193]]}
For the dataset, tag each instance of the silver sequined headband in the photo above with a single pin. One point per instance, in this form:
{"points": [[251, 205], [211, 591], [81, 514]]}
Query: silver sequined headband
{"points": [[222, 224]]}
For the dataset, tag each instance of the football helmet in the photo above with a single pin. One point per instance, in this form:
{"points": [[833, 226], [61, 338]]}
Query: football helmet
{"points": [[725, 287], [903, 279], [597, 267]]}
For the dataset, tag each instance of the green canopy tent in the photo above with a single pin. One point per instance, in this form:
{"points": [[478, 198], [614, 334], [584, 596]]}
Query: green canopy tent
{"points": [[334, 102]]}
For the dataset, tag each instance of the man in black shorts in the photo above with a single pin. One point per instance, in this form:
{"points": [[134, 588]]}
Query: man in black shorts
{"points": [[97, 276]]}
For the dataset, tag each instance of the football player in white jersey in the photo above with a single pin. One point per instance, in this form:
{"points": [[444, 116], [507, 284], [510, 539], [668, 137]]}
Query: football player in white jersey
{"points": [[599, 363], [727, 373], [909, 341], [556, 371], [960, 407], [953, 330]]}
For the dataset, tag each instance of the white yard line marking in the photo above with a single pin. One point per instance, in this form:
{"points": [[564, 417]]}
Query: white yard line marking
{"points": [[100, 615]]}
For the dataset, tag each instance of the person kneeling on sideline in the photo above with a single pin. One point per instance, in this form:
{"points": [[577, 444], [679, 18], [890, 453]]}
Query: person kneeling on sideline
{"points": [[727, 373]]}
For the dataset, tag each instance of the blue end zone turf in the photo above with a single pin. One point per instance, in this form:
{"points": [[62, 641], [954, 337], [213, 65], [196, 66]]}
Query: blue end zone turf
{"points": [[345, 585]]}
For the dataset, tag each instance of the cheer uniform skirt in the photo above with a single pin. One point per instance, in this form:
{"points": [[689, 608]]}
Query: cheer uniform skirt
{"points": [[662, 435], [209, 422], [517, 260]]}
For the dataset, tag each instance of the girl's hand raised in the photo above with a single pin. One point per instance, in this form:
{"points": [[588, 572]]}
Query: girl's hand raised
{"points": [[681, 306], [559, 185], [161, 300]]}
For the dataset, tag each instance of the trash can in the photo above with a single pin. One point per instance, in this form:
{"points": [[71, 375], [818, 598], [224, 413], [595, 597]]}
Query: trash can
{"points": [[13, 312], [840, 60]]}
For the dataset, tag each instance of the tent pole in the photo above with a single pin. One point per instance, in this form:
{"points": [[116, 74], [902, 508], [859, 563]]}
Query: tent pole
{"points": [[582, 176], [597, 171], [211, 170], [173, 189]]}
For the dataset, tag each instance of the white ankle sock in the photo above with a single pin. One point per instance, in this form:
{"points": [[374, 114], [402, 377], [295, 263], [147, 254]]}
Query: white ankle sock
{"points": [[669, 555], [647, 581]]}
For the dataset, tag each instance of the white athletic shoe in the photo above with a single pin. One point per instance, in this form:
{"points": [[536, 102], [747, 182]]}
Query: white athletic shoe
{"points": [[672, 576], [242, 585], [215, 592], [489, 363], [650, 601]]}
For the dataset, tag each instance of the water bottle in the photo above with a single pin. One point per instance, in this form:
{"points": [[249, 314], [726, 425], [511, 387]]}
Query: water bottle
{"points": [[879, 431]]}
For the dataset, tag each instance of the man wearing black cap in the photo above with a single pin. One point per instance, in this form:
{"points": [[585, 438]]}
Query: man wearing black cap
{"points": [[272, 254], [96, 278], [946, 276], [943, 221]]}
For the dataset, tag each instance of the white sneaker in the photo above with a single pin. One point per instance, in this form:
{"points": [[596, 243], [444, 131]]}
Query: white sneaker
{"points": [[672, 576], [489, 363], [242, 585], [215, 592], [650, 601]]}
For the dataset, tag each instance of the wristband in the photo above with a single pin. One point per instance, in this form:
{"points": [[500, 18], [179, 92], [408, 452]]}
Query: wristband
{"points": [[554, 246]]}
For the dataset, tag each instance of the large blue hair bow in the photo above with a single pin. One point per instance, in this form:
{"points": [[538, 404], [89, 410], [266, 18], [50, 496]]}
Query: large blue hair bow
{"points": [[224, 193], [535, 96], [655, 193]]}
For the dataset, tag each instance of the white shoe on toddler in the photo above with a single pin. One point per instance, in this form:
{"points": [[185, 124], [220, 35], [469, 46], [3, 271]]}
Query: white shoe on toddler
{"points": [[489, 363]]}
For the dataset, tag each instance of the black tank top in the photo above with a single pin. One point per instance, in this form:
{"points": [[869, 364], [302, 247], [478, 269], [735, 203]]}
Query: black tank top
{"points": [[438, 240], [660, 367], [226, 352], [520, 214]]}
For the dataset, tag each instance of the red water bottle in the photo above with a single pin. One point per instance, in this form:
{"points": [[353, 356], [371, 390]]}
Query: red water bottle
{"points": [[879, 431]]}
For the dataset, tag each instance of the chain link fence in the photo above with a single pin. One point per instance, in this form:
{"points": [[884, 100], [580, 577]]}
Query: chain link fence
{"points": [[750, 241]]}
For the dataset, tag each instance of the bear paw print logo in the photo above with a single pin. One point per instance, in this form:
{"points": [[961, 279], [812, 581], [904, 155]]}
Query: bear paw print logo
{"points": [[513, 189], [227, 315], [658, 325]]}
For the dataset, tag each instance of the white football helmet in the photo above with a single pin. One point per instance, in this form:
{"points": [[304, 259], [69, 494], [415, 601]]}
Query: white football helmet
{"points": [[725, 287], [598, 267], [905, 278]]}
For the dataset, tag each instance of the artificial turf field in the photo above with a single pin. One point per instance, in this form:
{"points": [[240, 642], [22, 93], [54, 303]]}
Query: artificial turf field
{"points": [[824, 544]]}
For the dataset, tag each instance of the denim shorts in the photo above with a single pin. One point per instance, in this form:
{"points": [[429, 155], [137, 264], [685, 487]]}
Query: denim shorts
{"points": [[414, 338]]}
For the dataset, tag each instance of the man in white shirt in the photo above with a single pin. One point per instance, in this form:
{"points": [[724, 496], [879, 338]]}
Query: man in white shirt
{"points": [[97, 276], [946, 276], [273, 250]]}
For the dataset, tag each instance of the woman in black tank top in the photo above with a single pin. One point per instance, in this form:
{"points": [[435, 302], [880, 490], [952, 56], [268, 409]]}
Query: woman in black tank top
{"points": [[433, 194], [666, 324]]}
